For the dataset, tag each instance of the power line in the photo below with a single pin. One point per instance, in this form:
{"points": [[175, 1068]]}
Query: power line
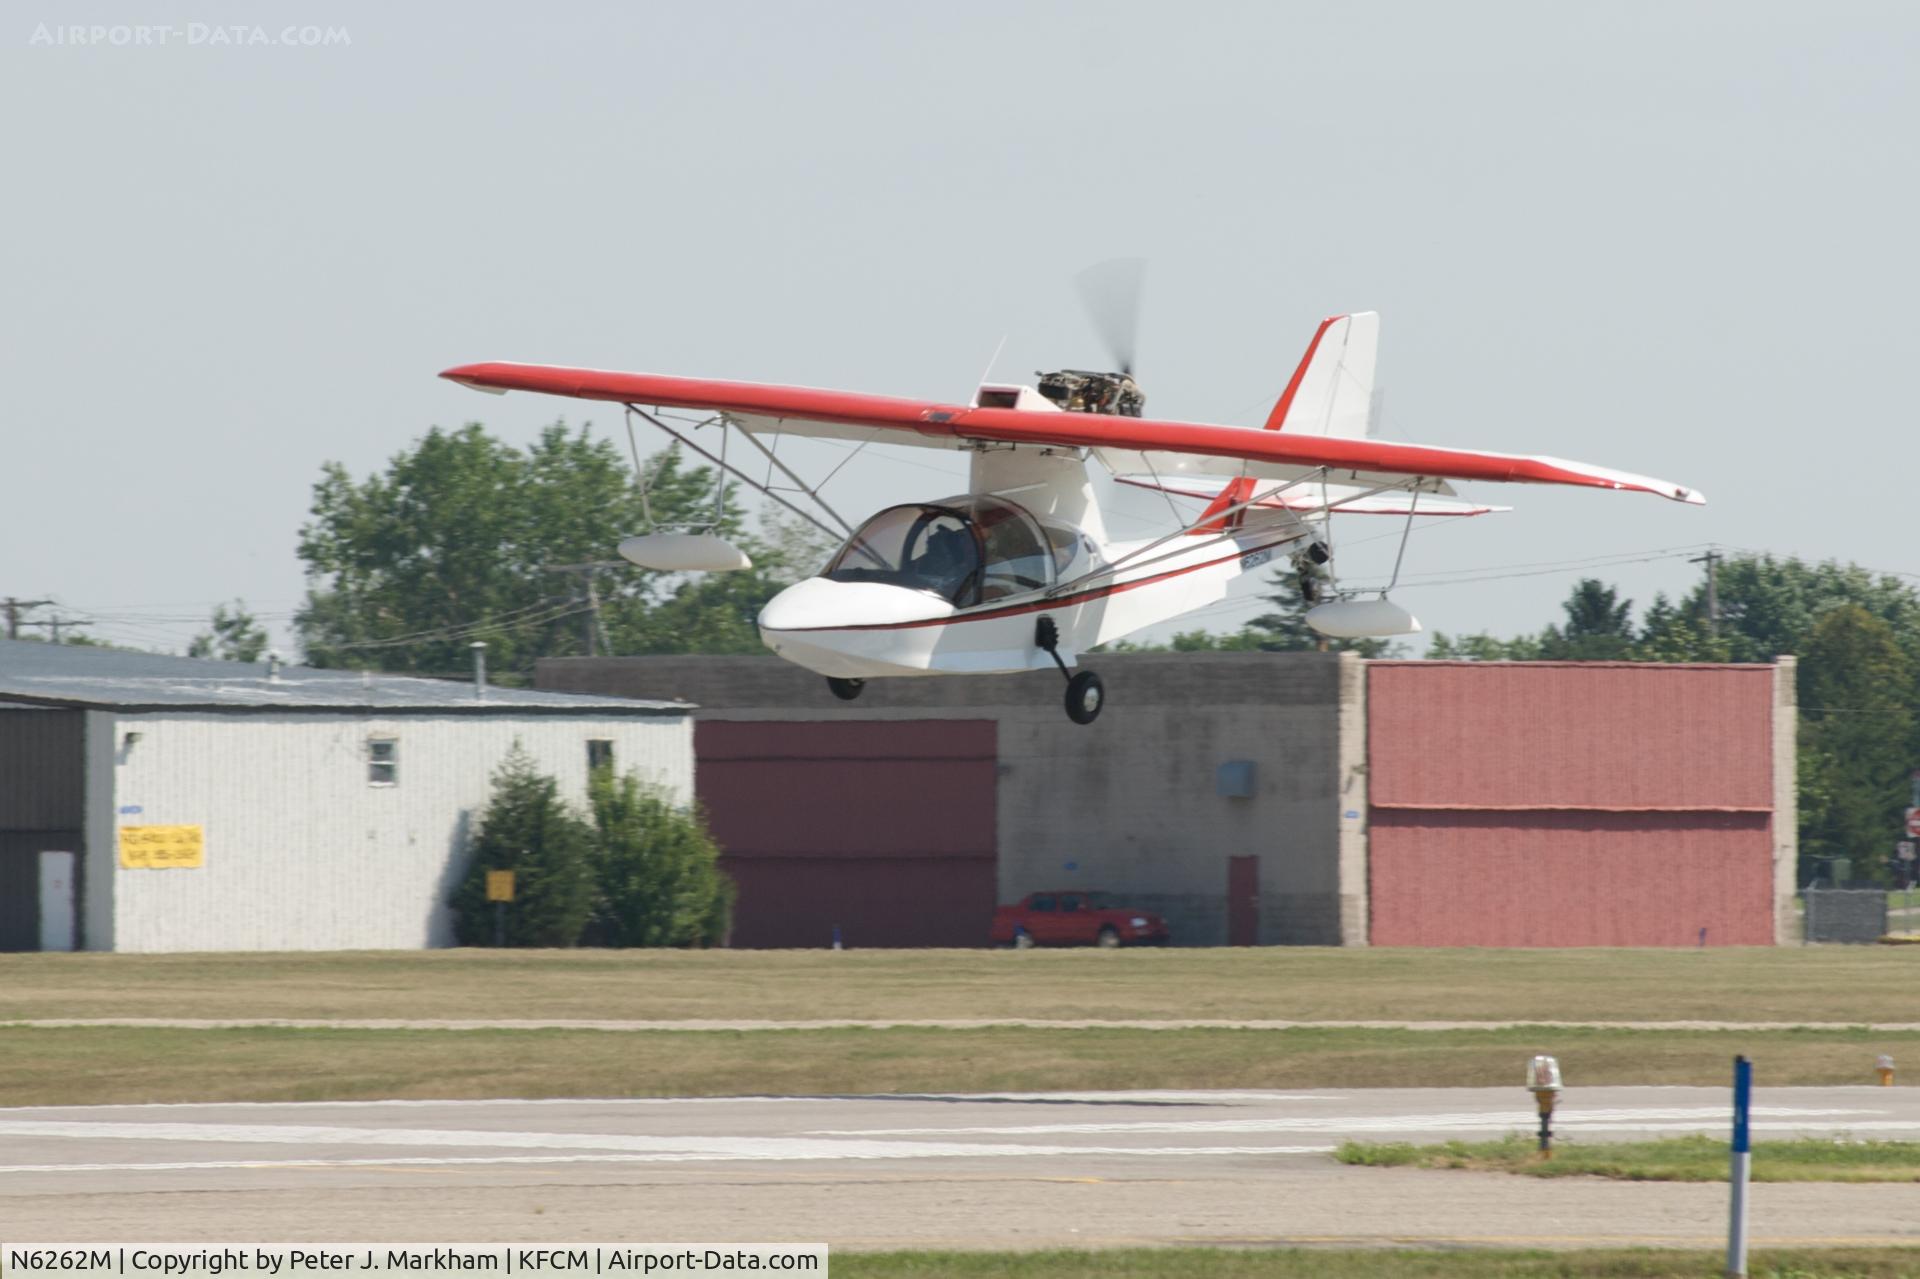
{"points": [[518, 619], [58, 623]]}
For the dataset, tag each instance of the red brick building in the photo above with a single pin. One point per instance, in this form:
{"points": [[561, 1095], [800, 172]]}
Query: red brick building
{"points": [[1577, 804]]}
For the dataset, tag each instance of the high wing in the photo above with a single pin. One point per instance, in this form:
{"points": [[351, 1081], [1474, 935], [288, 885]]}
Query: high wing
{"points": [[1348, 499], [1126, 444]]}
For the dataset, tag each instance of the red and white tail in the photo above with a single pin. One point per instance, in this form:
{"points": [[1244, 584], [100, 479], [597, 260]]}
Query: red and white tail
{"points": [[1331, 393]]}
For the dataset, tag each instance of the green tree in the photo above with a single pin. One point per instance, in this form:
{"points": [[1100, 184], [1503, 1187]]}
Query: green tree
{"points": [[1857, 729], [1769, 607], [1857, 636], [1678, 634], [1599, 626], [528, 829], [235, 636], [457, 540], [657, 870], [1482, 647]]}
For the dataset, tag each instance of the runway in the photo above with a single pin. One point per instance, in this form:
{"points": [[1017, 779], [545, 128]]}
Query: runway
{"points": [[982, 1170]]}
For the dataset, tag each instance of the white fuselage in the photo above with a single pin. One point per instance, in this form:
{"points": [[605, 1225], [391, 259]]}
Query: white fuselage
{"points": [[865, 629]]}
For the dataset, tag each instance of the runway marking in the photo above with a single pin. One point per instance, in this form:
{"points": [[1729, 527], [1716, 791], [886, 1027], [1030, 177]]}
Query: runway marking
{"points": [[1652, 1118], [912, 1023], [408, 1163], [1145, 1095], [630, 1148]]}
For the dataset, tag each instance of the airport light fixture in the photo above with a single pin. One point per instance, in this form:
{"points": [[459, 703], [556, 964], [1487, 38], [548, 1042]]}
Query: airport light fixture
{"points": [[1543, 1081]]}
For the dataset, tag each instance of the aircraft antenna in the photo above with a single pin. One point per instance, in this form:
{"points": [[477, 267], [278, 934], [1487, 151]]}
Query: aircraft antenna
{"points": [[987, 375]]}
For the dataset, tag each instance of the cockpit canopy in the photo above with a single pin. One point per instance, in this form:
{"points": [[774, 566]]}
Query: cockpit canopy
{"points": [[967, 550]]}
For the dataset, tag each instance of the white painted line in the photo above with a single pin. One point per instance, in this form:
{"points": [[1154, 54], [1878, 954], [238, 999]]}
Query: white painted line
{"points": [[1601, 1119], [634, 1146], [1195, 1096], [908, 1023], [905, 1151]]}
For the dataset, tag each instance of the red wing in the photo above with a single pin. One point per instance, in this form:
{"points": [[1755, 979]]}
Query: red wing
{"points": [[1360, 460]]}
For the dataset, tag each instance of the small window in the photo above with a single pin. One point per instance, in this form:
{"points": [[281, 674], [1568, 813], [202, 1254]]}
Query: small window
{"points": [[599, 753], [1069, 903], [1065, 544], [1041, 903], [383, 761]]}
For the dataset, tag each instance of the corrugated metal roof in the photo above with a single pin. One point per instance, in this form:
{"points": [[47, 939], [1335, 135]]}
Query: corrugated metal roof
{"points": [[74, 675]]}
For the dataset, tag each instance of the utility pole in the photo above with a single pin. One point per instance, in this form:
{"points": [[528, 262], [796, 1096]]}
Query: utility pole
{"points": [[588, 569], [13, 609], [57, 623], [1712, 560]]}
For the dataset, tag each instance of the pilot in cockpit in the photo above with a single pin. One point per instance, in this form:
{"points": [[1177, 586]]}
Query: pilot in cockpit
{"points": [[945, 560]]}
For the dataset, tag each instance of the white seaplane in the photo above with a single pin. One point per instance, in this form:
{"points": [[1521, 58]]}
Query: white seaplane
{"points": [[1039, 561]]}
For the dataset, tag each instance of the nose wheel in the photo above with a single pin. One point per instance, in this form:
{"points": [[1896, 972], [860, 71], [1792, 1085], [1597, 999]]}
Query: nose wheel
{"points": [[1085, 693], [846, 689]]}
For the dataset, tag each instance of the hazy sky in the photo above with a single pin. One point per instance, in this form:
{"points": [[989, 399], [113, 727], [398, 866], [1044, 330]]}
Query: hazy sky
{"points": [[1671, 238]]}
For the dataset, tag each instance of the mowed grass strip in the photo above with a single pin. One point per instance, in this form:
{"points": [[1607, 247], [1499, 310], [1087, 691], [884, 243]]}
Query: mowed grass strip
{"points": [[1327, 1263], [97, 1065], [1847, 984], [1669, 1159]]}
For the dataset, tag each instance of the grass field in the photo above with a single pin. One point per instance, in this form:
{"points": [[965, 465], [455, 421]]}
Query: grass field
{"points": [[1826, 984], [93, 1065], [1316, 1263], [1671, 1159]]}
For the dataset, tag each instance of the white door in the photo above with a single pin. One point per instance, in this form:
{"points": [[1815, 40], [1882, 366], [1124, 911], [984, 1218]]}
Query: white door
{"points": [[56, 901]]}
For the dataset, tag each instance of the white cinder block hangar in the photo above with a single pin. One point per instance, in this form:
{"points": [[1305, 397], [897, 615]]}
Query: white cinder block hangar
{"points": [[152, 803]]}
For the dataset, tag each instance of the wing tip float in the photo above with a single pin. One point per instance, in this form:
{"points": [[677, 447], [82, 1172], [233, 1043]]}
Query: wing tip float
{"points": [[1345, 454]]}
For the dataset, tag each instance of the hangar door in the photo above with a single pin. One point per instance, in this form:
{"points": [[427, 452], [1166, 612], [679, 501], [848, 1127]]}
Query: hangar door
{"points": [[1570, 804], [882, 828]]}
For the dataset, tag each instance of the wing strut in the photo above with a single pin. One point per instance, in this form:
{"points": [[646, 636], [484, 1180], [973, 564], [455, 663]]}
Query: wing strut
{"points": [[1412, 506], [765, 490]]}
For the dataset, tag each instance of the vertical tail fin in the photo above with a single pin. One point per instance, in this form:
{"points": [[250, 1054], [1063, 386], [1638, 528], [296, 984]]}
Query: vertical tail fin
{"points": [[1331, 393]]}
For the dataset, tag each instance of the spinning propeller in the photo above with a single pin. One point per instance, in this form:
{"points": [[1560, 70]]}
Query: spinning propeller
{"points": [[1110, 291]]}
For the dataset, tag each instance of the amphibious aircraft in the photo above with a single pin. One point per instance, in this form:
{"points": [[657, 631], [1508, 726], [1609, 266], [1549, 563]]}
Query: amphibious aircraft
{"points": [[1044, 556]]}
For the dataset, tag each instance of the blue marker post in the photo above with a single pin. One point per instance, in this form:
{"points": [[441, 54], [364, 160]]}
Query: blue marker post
{"points": [[1742, 1161]]}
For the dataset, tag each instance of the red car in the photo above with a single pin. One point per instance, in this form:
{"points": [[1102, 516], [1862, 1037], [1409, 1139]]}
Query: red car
{"points": [[1071, 917]]}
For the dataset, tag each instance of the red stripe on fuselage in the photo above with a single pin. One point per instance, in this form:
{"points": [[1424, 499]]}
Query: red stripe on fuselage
{"points": [[1064, 601]]}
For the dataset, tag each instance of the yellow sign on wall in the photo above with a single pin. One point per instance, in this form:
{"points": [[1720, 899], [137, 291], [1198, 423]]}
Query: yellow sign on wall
{"points": [[499, 885], [162, 847]]}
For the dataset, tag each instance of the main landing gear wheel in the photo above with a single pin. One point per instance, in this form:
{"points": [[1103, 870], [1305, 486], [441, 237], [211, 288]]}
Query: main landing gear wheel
{"points": [[846, 689], [1085, 692], [1085, 696]]}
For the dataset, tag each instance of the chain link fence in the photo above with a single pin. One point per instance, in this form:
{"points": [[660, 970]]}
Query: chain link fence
{"points": [[1850, 915]]}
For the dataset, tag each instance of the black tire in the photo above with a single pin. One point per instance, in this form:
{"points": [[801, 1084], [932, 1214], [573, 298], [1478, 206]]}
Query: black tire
{"points": [[846, 689], [1085, 696], [1109, 938]]}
